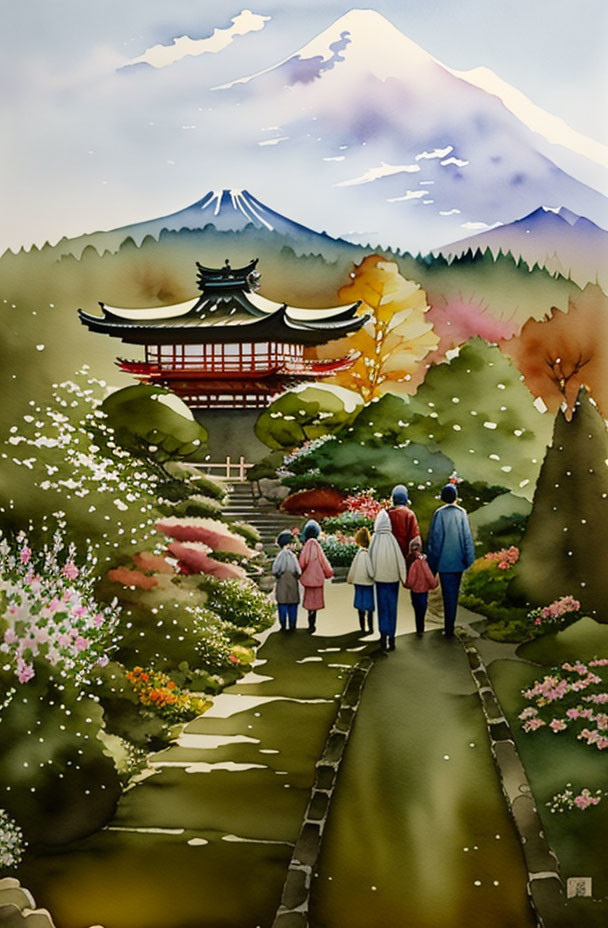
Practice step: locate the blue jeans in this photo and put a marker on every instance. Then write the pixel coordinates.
(288, 612)
(450, 585)
(419, 602)
(386, 598)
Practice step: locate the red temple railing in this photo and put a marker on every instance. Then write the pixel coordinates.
(204, 367)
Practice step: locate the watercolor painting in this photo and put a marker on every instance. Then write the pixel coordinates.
(304, 465)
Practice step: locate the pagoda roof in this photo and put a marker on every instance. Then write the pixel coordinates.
(227, 276)
(226, 315)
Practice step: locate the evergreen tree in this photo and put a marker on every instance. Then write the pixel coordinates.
(564, 548)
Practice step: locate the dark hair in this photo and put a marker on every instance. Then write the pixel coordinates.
(449, 493)
(312, 529)
(284, 538)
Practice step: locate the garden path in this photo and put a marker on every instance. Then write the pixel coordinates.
(205, 842)
(418, 833)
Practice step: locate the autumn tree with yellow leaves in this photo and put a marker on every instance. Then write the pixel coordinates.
(396, 338)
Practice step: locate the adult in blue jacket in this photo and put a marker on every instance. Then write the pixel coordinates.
(450, 551)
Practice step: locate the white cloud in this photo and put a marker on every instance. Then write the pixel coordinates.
(408, 195)
(283, 138)
(336, 158)
(160, 56)
(436, 153)
(477, 225)
(457, 161)
(448, 212)
(384, 170)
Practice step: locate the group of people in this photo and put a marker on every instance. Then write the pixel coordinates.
(388, 559)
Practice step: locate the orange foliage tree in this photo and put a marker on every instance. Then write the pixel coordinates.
(566, 350)
(397, 337)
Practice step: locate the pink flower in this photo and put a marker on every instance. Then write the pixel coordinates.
(557, 725)
(103, 661)
(64, 640)
(70, 570)
(533, 724)
(573, 713)
(24, 671)
(9, 636)
(81, 644)
(98, 619)
(25, 555)
(586, 799)
(54, 604)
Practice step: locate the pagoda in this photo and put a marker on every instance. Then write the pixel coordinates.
(229, 347)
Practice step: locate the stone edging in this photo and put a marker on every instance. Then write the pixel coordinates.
(545, 885)
(17, 907)
(293, 910)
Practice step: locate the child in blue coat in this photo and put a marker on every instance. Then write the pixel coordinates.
(359, 574)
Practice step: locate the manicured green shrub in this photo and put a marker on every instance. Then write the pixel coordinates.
(340, 549)
(239, 602)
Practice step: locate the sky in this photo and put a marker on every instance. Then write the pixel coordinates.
(98, 100)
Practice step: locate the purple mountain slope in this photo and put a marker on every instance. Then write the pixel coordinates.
(557, 239)
(390, 145)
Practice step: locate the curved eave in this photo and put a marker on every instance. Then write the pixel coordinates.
(278, 327)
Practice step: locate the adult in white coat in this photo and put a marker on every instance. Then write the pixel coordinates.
(387, 567)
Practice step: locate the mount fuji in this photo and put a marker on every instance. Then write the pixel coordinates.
(389, 146)
(219, 211)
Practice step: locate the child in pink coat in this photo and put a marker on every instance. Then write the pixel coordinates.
(315, 570)
(420, 579)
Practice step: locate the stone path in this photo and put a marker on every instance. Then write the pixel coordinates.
(419, 833)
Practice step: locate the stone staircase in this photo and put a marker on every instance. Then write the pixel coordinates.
(269, 521)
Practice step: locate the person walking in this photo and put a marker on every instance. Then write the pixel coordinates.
(286, 569)
(403, 520)
(315, 570)
(450, 551)
(420, 579)
(359, 574)
(387, 567)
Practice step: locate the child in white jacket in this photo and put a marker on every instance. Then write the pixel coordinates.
(359, 574)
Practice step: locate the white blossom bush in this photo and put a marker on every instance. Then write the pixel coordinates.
(12, 844)
(66, 460)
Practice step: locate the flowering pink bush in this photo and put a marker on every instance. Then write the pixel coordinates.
(365, 504)
(561, 612)
(505, 558)
(48, 611)
(566, 700)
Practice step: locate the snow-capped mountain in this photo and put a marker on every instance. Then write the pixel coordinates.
(555, 238)
(227, 210)
(218, 211)
(395, 147)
